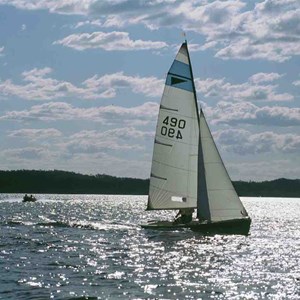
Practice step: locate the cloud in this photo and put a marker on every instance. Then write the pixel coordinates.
(54, 6)
(86, 151)
(264, 77)
(110, 114)
(123, 133)
(248, 113)
(252, 90)
(39, 86)
(111, 41)
(1, 51)
(35, 134)
(296, 83)
(96, 23)
(27, 153)
(118, 139)
(265, 170)
(150, 86)
(269, 30)
(243, 142)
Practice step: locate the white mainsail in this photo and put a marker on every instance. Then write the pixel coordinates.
(187, 170)
(173, 180)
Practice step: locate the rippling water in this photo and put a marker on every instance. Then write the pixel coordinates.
(92, 247)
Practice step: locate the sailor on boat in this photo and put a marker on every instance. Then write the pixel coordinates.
(184, 216)
(30, 198)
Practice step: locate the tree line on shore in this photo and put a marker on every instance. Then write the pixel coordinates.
(63, 182)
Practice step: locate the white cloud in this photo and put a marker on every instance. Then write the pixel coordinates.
(111, 114)
(264, 77)
(54, 6)
(267, 31)
(96, 23)
(1, 51)
(42, 87)
(123, 133)
(118, 139)
(265, 170)
(253, 90)
(243, 142)
(34, 134)
(248, 113)
(296, 83)
(27, 153)
(86, 151)
(108, 41)
(150, 86)
(39, 86)
(270, 31)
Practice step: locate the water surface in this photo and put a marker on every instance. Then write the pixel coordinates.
(92, 247)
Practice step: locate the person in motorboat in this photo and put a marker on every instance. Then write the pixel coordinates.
(30, 198)
(184, 216)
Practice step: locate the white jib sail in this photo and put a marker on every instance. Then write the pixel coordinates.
(173, 180)
(224, 203)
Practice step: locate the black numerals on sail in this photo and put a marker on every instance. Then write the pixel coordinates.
(172, 126)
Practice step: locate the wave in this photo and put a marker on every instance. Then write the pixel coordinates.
(71, 224)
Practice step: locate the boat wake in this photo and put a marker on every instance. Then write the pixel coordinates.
(71, 224)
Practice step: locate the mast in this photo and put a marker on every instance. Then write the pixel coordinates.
(203, 211)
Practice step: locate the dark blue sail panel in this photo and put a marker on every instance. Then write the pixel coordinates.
(180, 69)
(179, 82)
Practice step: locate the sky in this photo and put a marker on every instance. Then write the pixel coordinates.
(81, 82)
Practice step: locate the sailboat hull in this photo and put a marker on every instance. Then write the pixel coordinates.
(237, 226)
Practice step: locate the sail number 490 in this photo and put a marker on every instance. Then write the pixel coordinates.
(174, 129)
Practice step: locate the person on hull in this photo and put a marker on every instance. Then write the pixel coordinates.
(184, 216)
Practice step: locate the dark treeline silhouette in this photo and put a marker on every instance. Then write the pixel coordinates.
(281, 187)
(62, 182)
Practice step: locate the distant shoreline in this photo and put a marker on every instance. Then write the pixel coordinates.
(63, 182)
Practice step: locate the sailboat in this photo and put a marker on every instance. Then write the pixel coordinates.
(187, 169)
